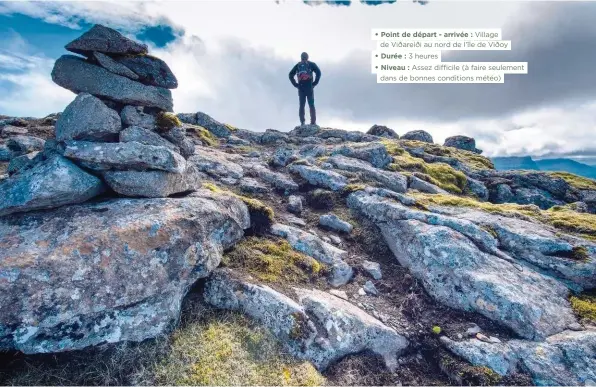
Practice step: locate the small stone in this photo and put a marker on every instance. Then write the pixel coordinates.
(111, 65)
(460, 336)
(473, 330)
(326, 239)
(295, 204)
(254, 154)
(335, 239)
(487, 339)
(333, 222)
(575, 326)
(339, 293)
(370, 288)
(253, 186)
(361, 292)
(373, 269)
(295, 220)
(10, 130)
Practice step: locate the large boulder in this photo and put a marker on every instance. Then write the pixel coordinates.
(418, 135)
(105, 156)
(52, 183)
(216, 164)
(382, 131)
(108, 272)
(153, 184)
(151, 70)
(111, 65)
(460, 264)
(79, 76)
(105, 40)
(462, 142)
(204, 120)
(87, 118)
(177, 136)
(318, 326)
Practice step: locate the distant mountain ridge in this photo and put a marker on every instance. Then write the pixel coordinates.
(560, 164)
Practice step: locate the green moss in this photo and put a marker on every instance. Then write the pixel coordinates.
(231, 352)
(261, 216)
(440, 174)
(464, 373)
(436, 330)
(580, 253)
(321, 199)
(166, 121)
(274, 261)
(584, 305)
(575, 181)
(206, 137)
(582, 224)
(471, 159)
(348, 189)
(232, 128)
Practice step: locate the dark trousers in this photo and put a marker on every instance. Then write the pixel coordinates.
(305, 94)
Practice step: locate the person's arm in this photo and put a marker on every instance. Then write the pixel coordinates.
(293, 74)
(317, 71)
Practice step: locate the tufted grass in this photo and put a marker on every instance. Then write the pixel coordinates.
(206, 137)
(575, 181)
(562, 218)
(274, 261)
(231, 352)
(584, 305)
(166, 121)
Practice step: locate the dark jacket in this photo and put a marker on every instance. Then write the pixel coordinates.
(306, 84)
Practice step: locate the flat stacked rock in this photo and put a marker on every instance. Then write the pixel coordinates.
(118, 132)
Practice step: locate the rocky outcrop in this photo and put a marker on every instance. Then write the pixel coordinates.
(63, 284)
(460, 265)
(391, 180)
(375, 153)
(318, 326)
(319, 177)
(216, 164)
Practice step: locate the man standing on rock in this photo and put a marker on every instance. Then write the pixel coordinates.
(303, 70)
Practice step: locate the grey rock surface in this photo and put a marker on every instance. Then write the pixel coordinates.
(108, 272)
(564, 359)
(150, 70)
(104, 156)
(177, 136)
(252, 186)
(382, 131)
(311, 245)
(373, 269)
(53, 183)
(146, 137)
(462, 142)
(333, 222)
(391, 180)
(216, 164)
(277, 180)
(424, 186)
(319, 177)
(319, 326)
(461, 266)
(135, 116)
(20, 162)
(111, 65)
(74, 74)
(295, 204)
(418, 135)
(374, 153)
(105, 40)
(153, 184)
(88, 118)
(20, 145)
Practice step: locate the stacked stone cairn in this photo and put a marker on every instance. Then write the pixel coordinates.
(118, 134)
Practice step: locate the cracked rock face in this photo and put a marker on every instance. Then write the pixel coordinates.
(88, 274)
(460, 265)
(318, 326)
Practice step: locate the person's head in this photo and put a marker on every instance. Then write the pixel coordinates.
(304, 56)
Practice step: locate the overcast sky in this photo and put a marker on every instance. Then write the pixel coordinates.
(232, 58)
